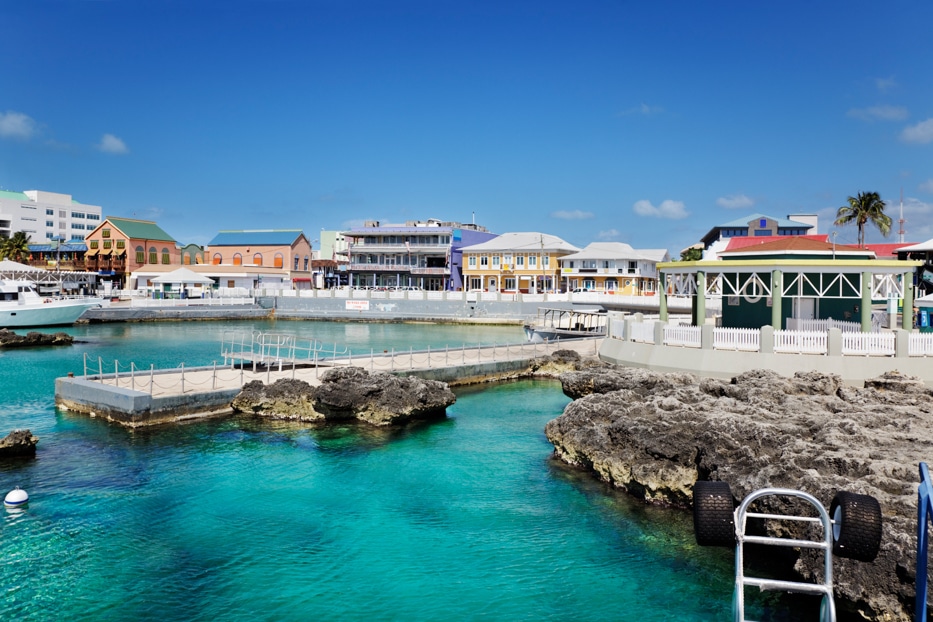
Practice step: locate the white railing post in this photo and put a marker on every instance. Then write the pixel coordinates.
(182, 378)
(151, 378)
(214, 377)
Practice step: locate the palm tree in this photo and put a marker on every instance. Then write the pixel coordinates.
(15, 248)
(867, 207)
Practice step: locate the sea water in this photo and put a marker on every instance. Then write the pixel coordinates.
(240, 518)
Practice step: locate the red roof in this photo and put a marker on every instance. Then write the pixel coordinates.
(792, 244)
(887, 251)
(740, 242)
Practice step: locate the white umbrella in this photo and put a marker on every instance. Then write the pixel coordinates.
(183, 276)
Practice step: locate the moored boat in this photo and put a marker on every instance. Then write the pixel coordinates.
(553, 324)
(22, 306)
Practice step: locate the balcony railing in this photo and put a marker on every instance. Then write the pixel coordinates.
(400, 268)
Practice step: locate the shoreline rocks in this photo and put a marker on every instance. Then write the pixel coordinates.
(654, 435)
(17, 444)
(9, 339)
(379, 398)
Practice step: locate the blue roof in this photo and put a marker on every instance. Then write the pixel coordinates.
(782, 222)
(257, 237)
(76, 247)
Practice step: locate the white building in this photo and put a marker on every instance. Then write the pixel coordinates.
(45, 216)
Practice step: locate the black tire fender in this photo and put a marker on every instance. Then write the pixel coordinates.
(713, 514)
(856, 526)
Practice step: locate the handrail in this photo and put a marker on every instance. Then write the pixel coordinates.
(924, 513)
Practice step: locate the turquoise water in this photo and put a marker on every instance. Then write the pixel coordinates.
(243, 519)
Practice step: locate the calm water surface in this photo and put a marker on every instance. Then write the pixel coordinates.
(242, 519)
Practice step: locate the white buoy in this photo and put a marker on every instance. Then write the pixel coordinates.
(16, 498)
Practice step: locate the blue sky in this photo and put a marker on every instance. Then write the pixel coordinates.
(646, 123)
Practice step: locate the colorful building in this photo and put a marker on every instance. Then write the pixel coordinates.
(516, 262)
(119, 246)
(46, 216)
(281, 256)
(425, 255)
(613, 267)
(757, 225)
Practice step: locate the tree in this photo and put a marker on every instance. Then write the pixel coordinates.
(15, 248)
(866, 208)
(693, 253)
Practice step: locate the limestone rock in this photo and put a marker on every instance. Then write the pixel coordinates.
(9, 339)
(18, 443)
(348, 393)
(655, 434)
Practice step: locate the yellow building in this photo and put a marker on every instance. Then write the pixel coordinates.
(516, 262)
(613, 267)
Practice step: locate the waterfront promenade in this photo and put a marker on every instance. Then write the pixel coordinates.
(137, 397)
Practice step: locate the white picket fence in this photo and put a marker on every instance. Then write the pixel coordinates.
(642, 332)
(800, 342)
(823, 325)
(744, 339)
(868, 344)
(920, 344)
(686, 336)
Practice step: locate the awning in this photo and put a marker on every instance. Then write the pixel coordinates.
(301, 279)
(91, 252)
(106, 251)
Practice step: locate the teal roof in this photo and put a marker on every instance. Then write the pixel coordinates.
(140, 229)
(16, 196)
(257, 237)
(782, 222)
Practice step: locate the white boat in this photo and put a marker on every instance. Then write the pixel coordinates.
(558, 324)
(21, 306)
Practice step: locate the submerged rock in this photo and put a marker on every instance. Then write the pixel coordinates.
(18, 443)
(9, 339)
(656, 434)
(348, 393)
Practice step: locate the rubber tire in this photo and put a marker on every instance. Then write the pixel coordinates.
(857, 526)
(713, 514)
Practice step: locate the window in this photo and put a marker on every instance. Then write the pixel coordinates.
(231, 284)
(547, 261)
(471, 261)
(237, 259)
(509, 283)
(140, 254)
(62, 213)
(257, 259)
(77, 214)
(532, 261)
(121, 244)
(495, 261)
(484, 261)
(165, 256)
(279, 261)
(217, 259)
(520, 261)
(632, 267)
(49, 212)
(476, 282)
(75, 225)
(93, 217)
(153, 255)
(108, 244)
(105, 233)
(296, 262)
(50, 223)
(94, 243)
(307, 262)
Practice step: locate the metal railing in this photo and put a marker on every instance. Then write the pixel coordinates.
(924, 513)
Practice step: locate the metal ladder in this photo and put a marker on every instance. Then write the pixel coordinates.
(825, 589)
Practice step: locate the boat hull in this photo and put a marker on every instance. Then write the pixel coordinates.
(53, 313)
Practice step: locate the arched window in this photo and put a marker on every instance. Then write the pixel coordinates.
(257, 259)
(140, 254)
(278, 261)
(217, 259)
(153, 255)
(237, 259)
(307, 262)
(187, 259)
(165, 256)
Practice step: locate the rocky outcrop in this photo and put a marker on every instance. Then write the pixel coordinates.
(563, 361)
(9, 339)
(348, 393)
(18, 443)
(655, 434)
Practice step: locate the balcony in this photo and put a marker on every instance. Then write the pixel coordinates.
(399, 268)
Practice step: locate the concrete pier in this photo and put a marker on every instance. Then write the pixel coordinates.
(152, 397)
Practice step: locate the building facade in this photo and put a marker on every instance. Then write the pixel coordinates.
(613, 267)
(516, 262)
(757, 225)
(426, 255)
(287, 252)
(46, 216)
(119, 246)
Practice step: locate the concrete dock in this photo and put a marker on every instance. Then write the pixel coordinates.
(150, 397)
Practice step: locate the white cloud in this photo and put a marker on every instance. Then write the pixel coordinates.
(643, 109)
(608, 234)
(927, 186)
(735, 201)
(111, 144)
(16, 125)
(673, 210)
(885, 84)
(920, 133)
(880, 113)
(571, 215)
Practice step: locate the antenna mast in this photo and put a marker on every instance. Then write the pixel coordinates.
(900, 231)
